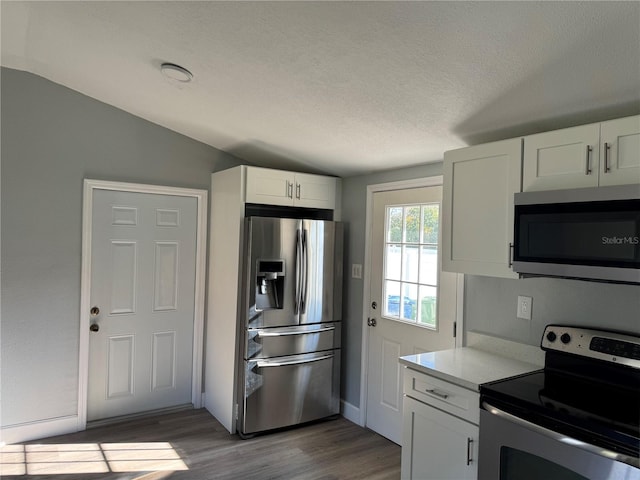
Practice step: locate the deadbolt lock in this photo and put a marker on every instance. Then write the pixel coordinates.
(95, 311)
(374, 305)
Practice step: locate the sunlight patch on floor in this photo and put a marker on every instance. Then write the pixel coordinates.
(76, 458)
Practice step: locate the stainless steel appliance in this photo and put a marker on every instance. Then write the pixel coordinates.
(587, 233)
(289, 370)
(578, 418)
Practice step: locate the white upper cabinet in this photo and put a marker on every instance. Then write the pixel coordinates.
(620, 146)
(477, 204)
(279, 187)
(586, 156)
(567, 158)
(269, 187)
(314, 191)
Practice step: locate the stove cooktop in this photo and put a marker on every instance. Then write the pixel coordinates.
(591, 396)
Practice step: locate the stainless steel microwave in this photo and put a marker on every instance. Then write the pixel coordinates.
(585, 233)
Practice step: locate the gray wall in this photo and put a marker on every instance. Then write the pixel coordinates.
(490, 306)
(354, 212)
(53, 138)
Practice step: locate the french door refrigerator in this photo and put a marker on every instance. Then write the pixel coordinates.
(289, 365)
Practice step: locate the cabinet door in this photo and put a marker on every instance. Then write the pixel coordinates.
(477, 205)
(436, 445)
(269, 187)
(567, 158)
(620, 140)
(315, 191)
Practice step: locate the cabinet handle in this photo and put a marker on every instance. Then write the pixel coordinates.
(289, 189)
(588, 168)
(607, 147)
(433, 391)
(469, 450)
(298, 191)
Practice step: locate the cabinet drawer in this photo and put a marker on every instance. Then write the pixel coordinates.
(446, 396)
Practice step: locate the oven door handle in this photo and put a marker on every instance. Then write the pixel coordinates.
(603, 452)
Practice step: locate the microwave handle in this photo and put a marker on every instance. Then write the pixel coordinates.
(511, 247)
(560, 437)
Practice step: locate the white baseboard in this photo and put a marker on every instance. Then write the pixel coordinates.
(35, 430)
(350, 412)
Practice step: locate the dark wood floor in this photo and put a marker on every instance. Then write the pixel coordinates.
(193, 445)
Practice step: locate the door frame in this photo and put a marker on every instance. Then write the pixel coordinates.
(85, 283)
(436, 180)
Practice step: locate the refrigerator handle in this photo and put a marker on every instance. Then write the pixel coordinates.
(305, 276)
(280, 363)
(298, 270)
(263, 333)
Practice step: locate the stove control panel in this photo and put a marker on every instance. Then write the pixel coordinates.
(614, 347)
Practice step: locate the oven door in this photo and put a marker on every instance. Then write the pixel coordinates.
(514, 449)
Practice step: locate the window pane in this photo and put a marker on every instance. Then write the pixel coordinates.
(409, 302)
(412, 224)
(410, 263)
(430, 215)
(393, 262)
(429, 265)
(392, 299)
(394, 226)
(428, 305)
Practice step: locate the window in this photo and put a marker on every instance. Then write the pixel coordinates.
(410, 286)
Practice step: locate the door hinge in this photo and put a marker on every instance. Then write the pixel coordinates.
(455, 329)
(236, 411)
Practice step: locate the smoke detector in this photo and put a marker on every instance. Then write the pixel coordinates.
(176, 72)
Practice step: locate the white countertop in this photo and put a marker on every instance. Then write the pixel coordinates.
(467, 367)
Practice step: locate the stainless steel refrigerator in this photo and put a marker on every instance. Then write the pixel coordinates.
(289, 365)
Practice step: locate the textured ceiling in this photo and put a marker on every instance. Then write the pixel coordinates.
(339, 87)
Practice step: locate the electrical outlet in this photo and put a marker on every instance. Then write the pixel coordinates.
(356, 270)
(525, 305)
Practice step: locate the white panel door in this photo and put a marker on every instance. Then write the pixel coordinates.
(415, 302)
(142, 296)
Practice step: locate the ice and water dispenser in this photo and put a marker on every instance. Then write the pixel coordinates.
(269, 284)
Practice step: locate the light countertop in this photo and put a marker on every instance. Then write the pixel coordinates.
(467, 367)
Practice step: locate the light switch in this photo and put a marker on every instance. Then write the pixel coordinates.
(356, 270)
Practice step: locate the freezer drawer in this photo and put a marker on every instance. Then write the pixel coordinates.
(280, 341)
(289, 390)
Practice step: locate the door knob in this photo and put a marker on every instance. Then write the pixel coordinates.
(94, 327)
(371, 322)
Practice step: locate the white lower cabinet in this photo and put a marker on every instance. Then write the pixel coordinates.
(437, 445)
